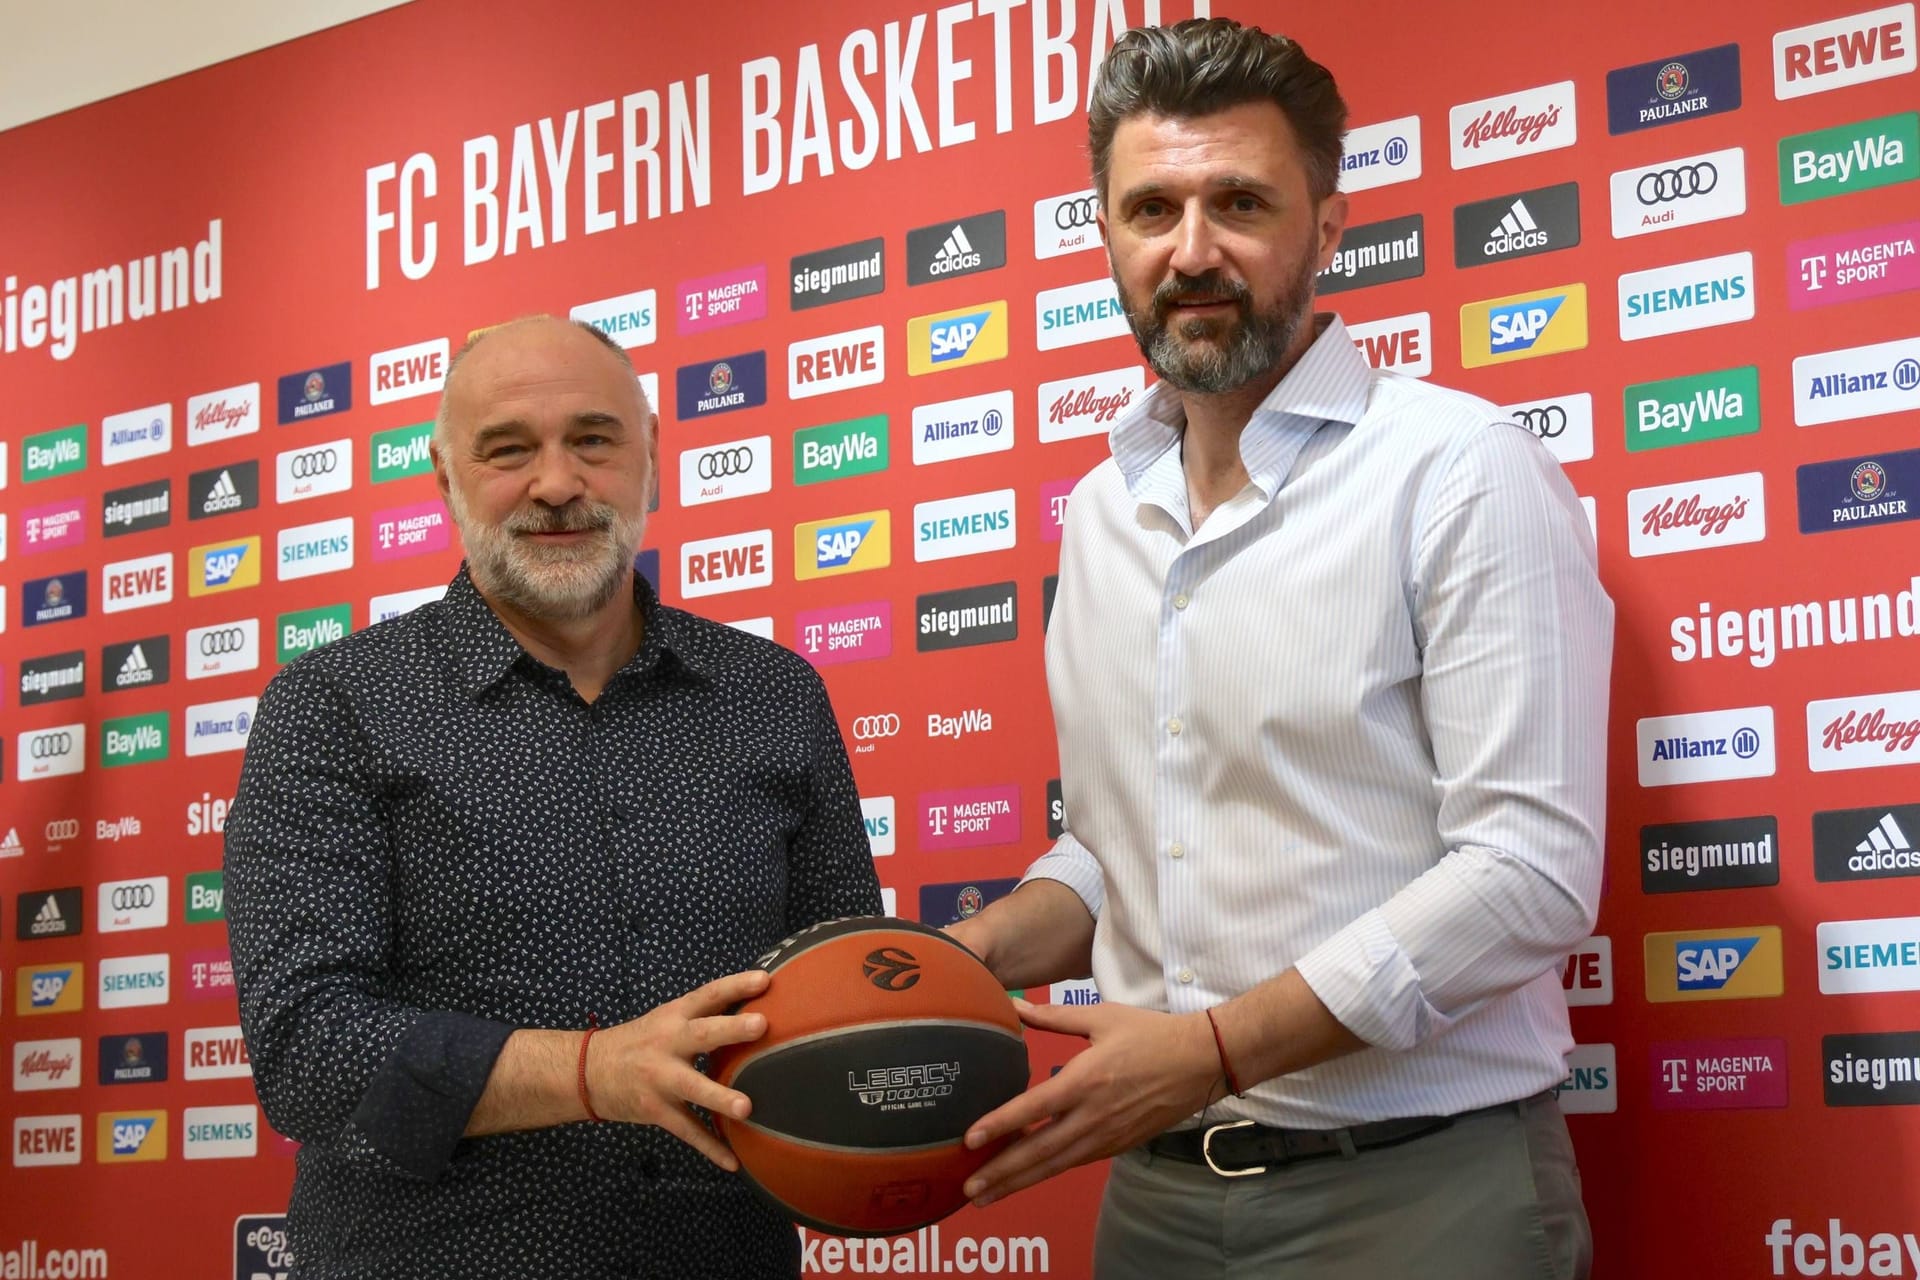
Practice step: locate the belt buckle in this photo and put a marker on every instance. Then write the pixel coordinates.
(1206, 1150)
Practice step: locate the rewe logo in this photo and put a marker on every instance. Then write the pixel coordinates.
(137, 584)
(734, 562)
(1514, 124)
(1850, 157)
(405, 372)
(1845, 51)
(1587, 975)
(972, 720)
(1400, 344)
(217, 1053)
(1870, 732)
(1718, 512)
(39, 1141)
(1088, 405)
(223, 415)
(1705, 746)
(836, 362)
(1685, 296)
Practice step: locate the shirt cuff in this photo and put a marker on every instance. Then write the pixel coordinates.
(1071, 864)
(417, 1107)
(1368, 982)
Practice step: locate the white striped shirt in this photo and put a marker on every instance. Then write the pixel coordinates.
(1355, 725)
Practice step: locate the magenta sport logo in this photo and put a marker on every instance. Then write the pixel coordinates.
(1714, 1075)
(209, 974)
(848, 633)
(54, 526)
(1053, 508)
(1853, 264)
(409, 531)
(968, 817)
(714, 302)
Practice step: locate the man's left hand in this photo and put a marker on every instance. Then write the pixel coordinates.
(1140, 1073)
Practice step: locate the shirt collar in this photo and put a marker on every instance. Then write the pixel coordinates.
(1330, 383)
(484, 650)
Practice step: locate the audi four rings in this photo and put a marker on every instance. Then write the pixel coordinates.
(63, 829)
(1676, 184)
(885, 726)
(716, 463)
(46, 746)
(131, 897)
(1069, 214)
(316, 462)
(1545, 420)
(222, 640)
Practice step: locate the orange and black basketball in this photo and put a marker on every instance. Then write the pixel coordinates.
(885, 1040)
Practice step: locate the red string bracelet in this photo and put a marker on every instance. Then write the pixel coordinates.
(586, 1102)
(1226, 1068)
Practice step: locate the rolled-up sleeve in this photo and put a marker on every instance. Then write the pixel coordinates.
(1517, 641)
(1072, 864)
(335, 1057)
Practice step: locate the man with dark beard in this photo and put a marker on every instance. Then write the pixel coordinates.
(497, 869)
(1329, 663)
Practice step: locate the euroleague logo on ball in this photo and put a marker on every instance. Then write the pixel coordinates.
(891, 969)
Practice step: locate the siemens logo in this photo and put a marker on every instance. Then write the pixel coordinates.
(630, 319)
(1869, 955)
(1078, 313)
(311, 549)
(968, 525)
(1686, 296)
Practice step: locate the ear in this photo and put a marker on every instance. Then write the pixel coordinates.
(440, 478)
(1331, 216)
(653, 459)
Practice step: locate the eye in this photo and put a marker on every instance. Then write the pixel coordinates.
(505, 452)
(1152, 209)
(1244, 203)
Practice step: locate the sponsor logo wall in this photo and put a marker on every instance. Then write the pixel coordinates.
(883, 347)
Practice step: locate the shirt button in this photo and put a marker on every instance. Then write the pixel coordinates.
(1173, 726)
(1186, 975)
(1180, 601)
(1178, 850)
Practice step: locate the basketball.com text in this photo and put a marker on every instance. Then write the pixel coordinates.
(29, 1262)
(923, 1253)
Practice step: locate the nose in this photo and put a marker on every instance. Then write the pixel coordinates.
(1196, 249)
(557, 478)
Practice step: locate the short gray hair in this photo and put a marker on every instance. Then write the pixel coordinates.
(466, 349)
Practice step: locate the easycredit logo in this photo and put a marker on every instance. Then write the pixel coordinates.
(1856, 382)
(1686, 296)
(958, 338)
(1869, 955)
(217, 1053)
(1705, 746)
(1721, 511)
(1398, 344)
(1870, 732)
(50, 988)
(1714, 964)
(733, 562)
(1845, 51)
(223, 566)
(137, 584)
(836, 362)
(1078, 313)
(968, 525)
(1523, 325)
(842, 544)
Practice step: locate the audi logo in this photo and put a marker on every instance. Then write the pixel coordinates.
(49, 745)
(865, 727)
(1677, 184)
(131, 897)
(1545, 420)
(319, 462)
(1069, 214)
(63, 829)
(725, 462)
(223, 640)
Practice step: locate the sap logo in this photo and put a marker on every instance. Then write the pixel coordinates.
(1706, 966)
(972, 720)
(223, 563)
(836, 545)
(207, 816)
(1517, 327)
(951, 339)
(48, 986)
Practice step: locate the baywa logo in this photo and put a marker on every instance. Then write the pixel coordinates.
(970, 616)
(1855, 493)
(1714, 964)
(1725, 853)
(1686, 86)
(834, 275)
(221, 490)
(843, 544)
(960, 247)
(1523, 325)
(1377, 253)
(53, 453)
(1850, 157)
(1866, 844)
(400, 453)
(133, 740)
(1517, 226)
(1874, 1069)
(1690, 409)
(305, 630)
(838, 450)
(53, 678)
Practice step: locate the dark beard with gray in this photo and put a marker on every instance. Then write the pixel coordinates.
(1210, 356)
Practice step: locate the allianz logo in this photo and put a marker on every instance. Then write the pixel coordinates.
(972, 720)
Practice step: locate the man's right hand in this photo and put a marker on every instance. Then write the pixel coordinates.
(642, 1071)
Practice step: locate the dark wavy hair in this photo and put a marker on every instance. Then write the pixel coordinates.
(1204, 65)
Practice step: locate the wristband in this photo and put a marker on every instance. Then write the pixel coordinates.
(586, 1101)
(1220, 1045)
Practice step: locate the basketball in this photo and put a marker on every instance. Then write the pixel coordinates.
(885, 1040)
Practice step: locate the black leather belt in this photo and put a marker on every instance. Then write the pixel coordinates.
(1241, 1148)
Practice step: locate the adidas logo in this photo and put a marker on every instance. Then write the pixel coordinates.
(1517, 231)
(956, 254)
(135, 669)
(11, 846)
(224, 496)
(1886, 837)
(49, 920)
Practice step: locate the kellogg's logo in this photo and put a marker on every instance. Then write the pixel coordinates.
(1089, 404)
(1722, 511)
(1864, 733)
(1493, 129)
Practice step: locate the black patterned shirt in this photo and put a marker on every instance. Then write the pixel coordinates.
(436, 841)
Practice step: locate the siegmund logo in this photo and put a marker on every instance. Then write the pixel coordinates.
(136, 508)
(50, 679)
(219, 490)
(967, 617)
(1377, 253)
(834, 275)
(959, 247)
(1517, 226)
(1730, 853)
(1873, 1069)
(136, 664)
(1866, 844)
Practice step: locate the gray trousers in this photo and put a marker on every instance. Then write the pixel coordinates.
(1494, 1197)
